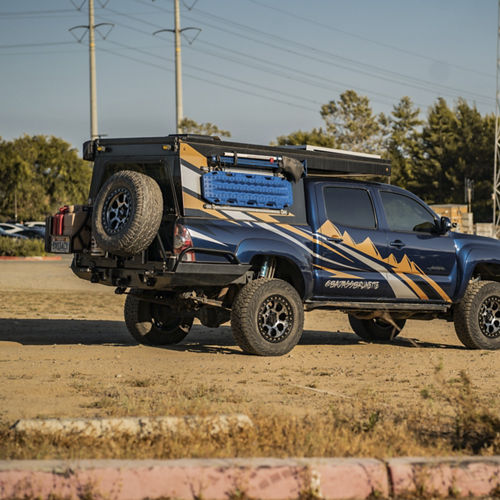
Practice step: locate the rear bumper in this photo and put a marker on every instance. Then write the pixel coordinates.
(186, 275)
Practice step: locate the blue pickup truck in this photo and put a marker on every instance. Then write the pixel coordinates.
(195, 227)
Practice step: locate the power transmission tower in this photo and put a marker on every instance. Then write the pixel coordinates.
(496, 168)
(177, 31)
(92, 69)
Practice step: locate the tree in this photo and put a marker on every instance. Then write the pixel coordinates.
(403, 143)
(316, 137)
(189, 126)
(456, 144)
(431, 157)
(349, 124)
(475, 140)
(435, 180)
(42, 173)
(351, 121)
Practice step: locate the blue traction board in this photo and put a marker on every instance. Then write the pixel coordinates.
(246, 190)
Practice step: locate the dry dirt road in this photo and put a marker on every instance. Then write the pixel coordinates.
(65, 352)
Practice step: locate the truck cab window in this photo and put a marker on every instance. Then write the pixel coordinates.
(406, 214)
(349, 207)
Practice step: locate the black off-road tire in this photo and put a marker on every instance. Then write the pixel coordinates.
(477, 316)
(267, 317)
(154, 324)
(127, 213)
(375, 330)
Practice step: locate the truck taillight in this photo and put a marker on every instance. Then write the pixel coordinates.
(182, 241)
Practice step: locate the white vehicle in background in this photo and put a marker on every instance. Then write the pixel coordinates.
(11, 228)
(35, 224)
(28, 230)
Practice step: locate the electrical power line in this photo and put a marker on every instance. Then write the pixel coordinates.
(372, 71)
(226, 77)
(425, 87)
(39, 44)
(244, 82)
(366, 39)
(428, 86)
(326, 83)
(309, 79)
(218, 84)
(35, 12)
(41, 53)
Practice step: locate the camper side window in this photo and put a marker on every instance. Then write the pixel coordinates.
(350, 207)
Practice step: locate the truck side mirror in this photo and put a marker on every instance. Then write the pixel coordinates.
(445, 225)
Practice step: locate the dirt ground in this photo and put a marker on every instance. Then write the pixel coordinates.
(65, 352)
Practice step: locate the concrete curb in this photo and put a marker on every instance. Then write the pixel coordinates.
(449, 477)
(32, 259)
(132, 426)
(262, 478)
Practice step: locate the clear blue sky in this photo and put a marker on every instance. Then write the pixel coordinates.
(259, 68)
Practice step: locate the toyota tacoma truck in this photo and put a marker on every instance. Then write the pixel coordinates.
(194, 227)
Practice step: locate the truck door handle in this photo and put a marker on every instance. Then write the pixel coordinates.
(335, 240)
(397, 244)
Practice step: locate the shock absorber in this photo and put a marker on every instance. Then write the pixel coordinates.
(268, 267)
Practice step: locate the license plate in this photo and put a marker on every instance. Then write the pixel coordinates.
(59, 244)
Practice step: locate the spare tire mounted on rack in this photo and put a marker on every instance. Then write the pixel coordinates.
(127, 213)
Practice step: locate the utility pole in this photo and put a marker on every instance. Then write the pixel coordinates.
(496, 167)
(178, 69)
(91, 28)
(93, 92)
(177, 31)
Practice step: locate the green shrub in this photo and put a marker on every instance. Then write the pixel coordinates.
(12, 247)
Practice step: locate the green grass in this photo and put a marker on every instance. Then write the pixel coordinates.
(12, 247)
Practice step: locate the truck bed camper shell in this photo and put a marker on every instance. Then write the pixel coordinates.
(316, 160)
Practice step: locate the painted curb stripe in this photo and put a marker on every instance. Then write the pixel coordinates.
(33, 259)
(263, 478)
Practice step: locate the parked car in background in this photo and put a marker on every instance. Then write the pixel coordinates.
(35, 224)
(30, 230)
(31, 233)
(10, 227)
(16, 235)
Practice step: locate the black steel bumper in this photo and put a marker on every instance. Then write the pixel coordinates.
(186, 275)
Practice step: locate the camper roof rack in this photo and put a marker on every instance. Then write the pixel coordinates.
(309, 147)
(317, 160)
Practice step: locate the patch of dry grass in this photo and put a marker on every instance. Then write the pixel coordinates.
(449, 422)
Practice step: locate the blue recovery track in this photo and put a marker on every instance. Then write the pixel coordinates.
(247, 190)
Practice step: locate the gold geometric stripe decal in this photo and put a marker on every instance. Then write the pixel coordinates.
(314, 240)
(196, 204)
(413, 286)
(436, 287)
(338, 274)
(264, 217)
(192, 156)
